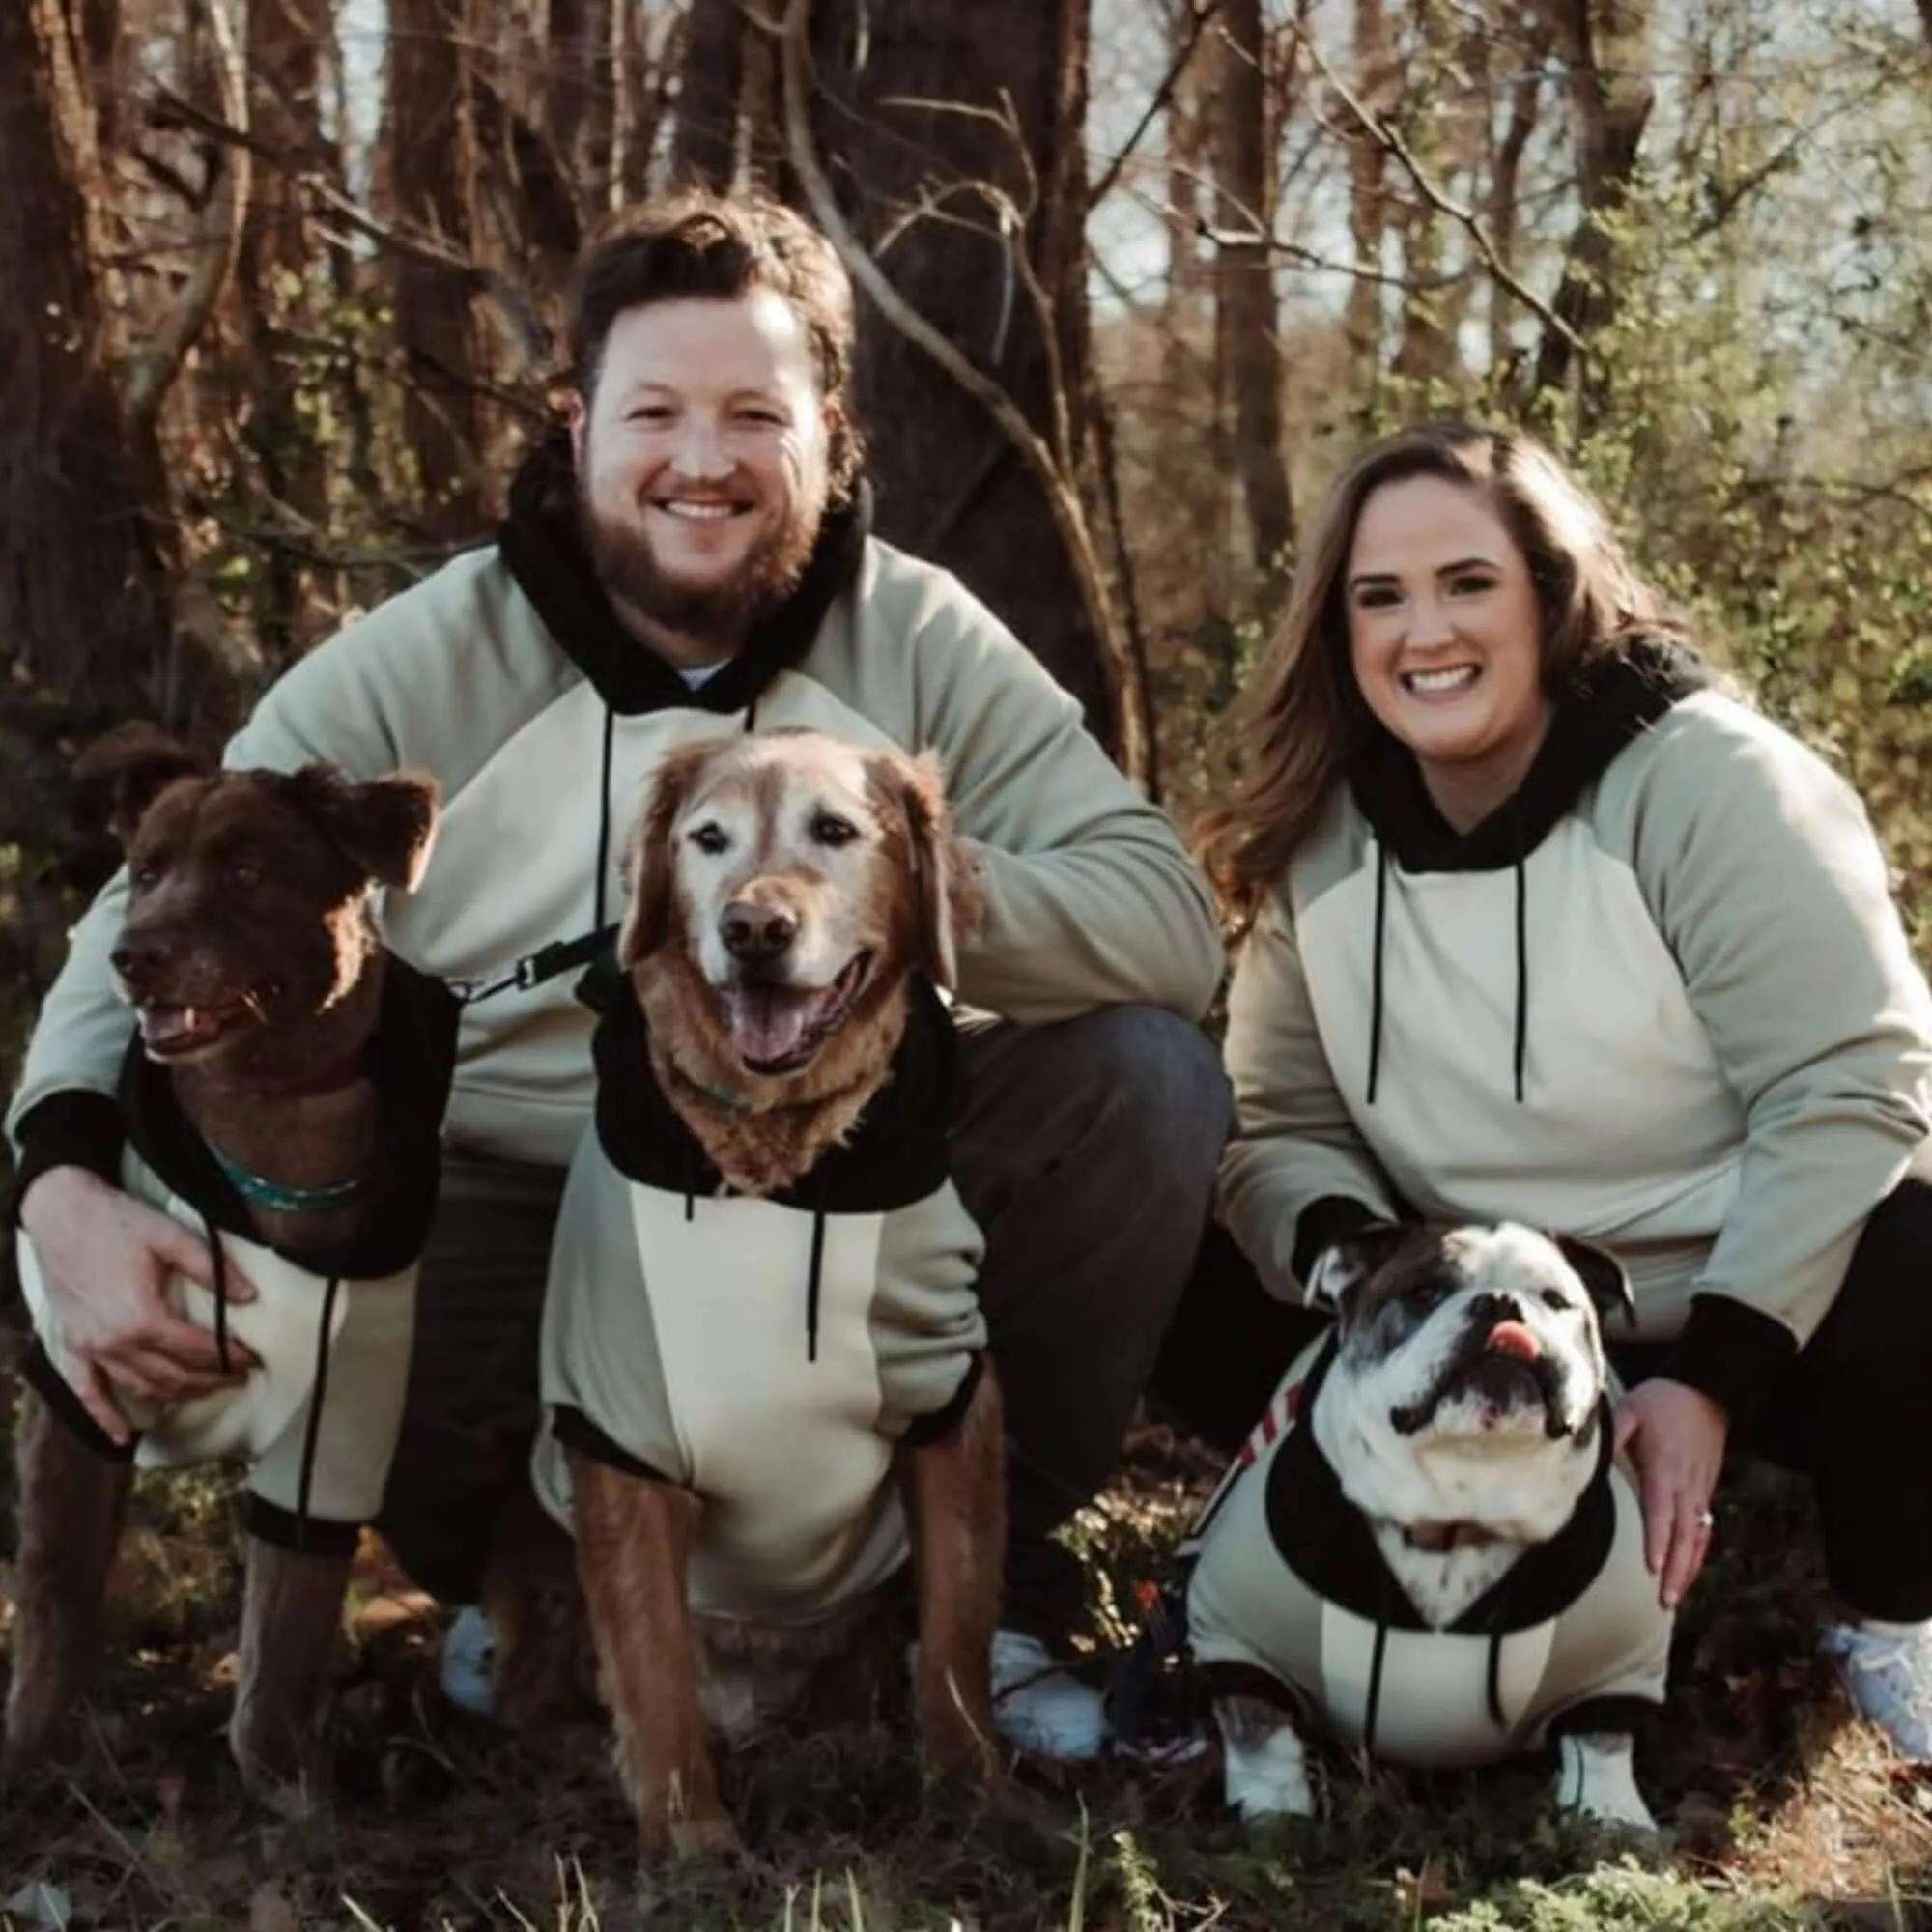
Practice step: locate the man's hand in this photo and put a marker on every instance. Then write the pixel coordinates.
(1675, 1435)
(106, 1260)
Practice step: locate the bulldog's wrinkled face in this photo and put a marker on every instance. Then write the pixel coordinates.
(1469, 1374)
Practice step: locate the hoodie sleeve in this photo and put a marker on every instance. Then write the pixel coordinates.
(1090, 898)
(1766, 881)
(1296, 1175)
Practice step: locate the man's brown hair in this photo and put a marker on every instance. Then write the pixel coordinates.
(695, 245)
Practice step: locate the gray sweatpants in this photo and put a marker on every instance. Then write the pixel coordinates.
(1086, 1151)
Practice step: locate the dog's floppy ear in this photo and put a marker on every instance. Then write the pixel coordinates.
(1602, 1274)
(950, 899)
(652, 867)
(129, 768)
(1344, 1266)
(384, 827)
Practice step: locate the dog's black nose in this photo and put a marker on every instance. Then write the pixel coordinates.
(1490, 1306)
(756, 933)
(139, 955)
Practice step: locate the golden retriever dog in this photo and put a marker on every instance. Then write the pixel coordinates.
(764, 1363)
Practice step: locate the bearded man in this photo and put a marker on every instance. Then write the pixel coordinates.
(690, 555)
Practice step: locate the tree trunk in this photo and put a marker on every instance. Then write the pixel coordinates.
(580, 96)
(951, 485)
(1247, 314)
(1186, 139)
(1368, 200)
(431, 137)
(1425, 354)
(1526, 91)
(1606, 46)
(84, 542)
(705, 145)
(278, 293)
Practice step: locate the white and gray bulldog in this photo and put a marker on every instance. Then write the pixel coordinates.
(1429, 1543)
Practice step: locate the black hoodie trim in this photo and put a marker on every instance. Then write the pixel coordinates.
(576, 1430)
(1613, 702)
(1326, 1541)
(412, 1061)
(1324, 1222)
(939, 1423)
(543, 548)
(74, 1127)
(1733, 1353)
(304, 1535)
(895, 1155)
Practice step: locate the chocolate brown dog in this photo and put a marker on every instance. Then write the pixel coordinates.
(282, 1093)
(763, 1356)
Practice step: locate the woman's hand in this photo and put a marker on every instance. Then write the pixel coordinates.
(105, 1261)
(1675, 1435)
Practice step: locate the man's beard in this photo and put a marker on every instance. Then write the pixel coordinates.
(717, 613)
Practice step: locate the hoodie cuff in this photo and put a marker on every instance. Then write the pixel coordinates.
(1732, 1353)
(1333, 1219)
(76, 1128)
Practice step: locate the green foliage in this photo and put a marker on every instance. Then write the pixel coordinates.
(1622, 1898)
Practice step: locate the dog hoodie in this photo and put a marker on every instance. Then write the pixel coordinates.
(318, 1420)
(1290, 1601)
(767, 1353)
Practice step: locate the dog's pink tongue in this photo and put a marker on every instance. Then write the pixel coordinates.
(768, 1023)
(1512, 1338)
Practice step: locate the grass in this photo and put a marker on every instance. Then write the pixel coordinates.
(1781, 1813)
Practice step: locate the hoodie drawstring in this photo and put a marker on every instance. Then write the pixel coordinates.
(603, 820)
(1376, 970)
(812, 1285)
(1520, 1060)
(312, 1433)
(1521, 972)
(1492, 1683)
(218, 1264)
(1374, 1709)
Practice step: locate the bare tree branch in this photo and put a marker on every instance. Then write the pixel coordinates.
(1380, 130)
(1203, 12)
(516, 311)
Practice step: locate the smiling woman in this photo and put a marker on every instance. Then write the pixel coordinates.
(1542, 926)
(1445, 641)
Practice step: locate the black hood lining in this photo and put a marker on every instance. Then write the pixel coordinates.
(1614, 701)
(543, 546)
(1326, 1541)
(896, 1154)
(412, 1059)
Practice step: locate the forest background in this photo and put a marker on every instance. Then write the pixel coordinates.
(279, 287)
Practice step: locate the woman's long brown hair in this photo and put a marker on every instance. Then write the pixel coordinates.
(1305, 715)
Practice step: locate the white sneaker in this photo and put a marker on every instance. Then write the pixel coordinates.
(1888, 1676)
(469, 1661)
(1039, 1707)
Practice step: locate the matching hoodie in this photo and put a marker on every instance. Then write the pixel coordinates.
(318, 1421)
(846, 1307)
